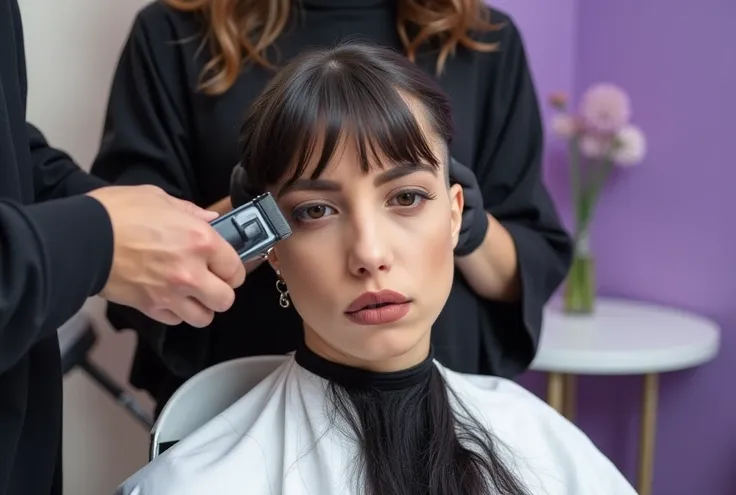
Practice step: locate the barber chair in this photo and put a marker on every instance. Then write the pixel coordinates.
(207, 394)
(77, 337)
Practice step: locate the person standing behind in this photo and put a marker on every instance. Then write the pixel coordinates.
(188, 69)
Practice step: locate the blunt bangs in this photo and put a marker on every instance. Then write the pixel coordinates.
(325, 97)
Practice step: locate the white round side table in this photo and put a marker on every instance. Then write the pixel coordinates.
(622, 337)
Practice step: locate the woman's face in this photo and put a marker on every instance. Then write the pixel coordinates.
(359, 240)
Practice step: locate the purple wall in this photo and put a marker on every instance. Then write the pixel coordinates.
(666, 231)
(550, 36)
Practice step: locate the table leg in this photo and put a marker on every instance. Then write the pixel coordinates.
(556, 391)
(570, 392)
(648, 433)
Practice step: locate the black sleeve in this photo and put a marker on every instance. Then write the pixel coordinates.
(53, 256)
(509, 174)
(146, 140)
(146, 130)
(55, 175)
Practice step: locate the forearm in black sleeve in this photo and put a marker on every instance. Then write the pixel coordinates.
(53, 256)
(55, 175)
(510, 176)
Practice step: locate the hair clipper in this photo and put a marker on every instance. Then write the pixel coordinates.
(253, 228)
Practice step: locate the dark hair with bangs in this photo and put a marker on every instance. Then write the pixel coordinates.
(412, 441)
(359, 91)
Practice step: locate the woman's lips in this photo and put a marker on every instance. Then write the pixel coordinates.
(378, 308)
(381, 315)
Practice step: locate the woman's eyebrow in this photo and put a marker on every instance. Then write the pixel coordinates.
(402, 170)
(309, 185)
(324, 185)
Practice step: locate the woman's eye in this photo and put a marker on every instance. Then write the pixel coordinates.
(312, 212)
(408, 199)
(316, 211)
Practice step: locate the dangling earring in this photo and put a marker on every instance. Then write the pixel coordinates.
(283, 291)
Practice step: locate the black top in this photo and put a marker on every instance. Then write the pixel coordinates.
(52, 257)
(349, 377)
(160, 129)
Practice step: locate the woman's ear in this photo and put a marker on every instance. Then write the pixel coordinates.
(273, 260)
(457, 203)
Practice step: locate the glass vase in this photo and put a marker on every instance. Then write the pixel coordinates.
(580, 286)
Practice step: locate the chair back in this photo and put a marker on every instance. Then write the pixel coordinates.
(207, 394)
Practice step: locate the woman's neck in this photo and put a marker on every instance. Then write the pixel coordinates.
(376, 357)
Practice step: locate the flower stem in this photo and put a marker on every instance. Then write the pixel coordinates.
(593, 191)
(575, 189)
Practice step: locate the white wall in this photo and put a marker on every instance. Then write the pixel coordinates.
(72, 47)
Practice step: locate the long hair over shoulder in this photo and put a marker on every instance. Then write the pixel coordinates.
(412, 442)
(415, 442)
(241, 31)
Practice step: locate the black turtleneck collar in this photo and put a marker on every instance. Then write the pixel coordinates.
(355, 378)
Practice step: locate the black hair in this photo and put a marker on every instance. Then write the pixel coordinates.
(413, 441)
(355, 90)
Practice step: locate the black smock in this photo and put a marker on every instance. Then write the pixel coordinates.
(160, 129)
(53, 255)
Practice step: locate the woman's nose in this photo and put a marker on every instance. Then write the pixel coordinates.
(369, 252)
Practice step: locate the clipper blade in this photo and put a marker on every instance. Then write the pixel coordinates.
(274, 216)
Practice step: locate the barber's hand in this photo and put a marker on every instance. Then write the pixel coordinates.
(475, 220)
(168, 263)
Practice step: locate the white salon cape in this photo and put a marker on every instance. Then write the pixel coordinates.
(277, 439)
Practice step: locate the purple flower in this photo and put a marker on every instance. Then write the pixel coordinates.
(594, 146)
(558, 100)
(605, 108)
(630, 146)
(564, 125)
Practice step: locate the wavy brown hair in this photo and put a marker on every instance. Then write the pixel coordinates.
(240, 31)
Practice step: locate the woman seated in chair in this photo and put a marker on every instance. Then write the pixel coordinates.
(354, 144)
